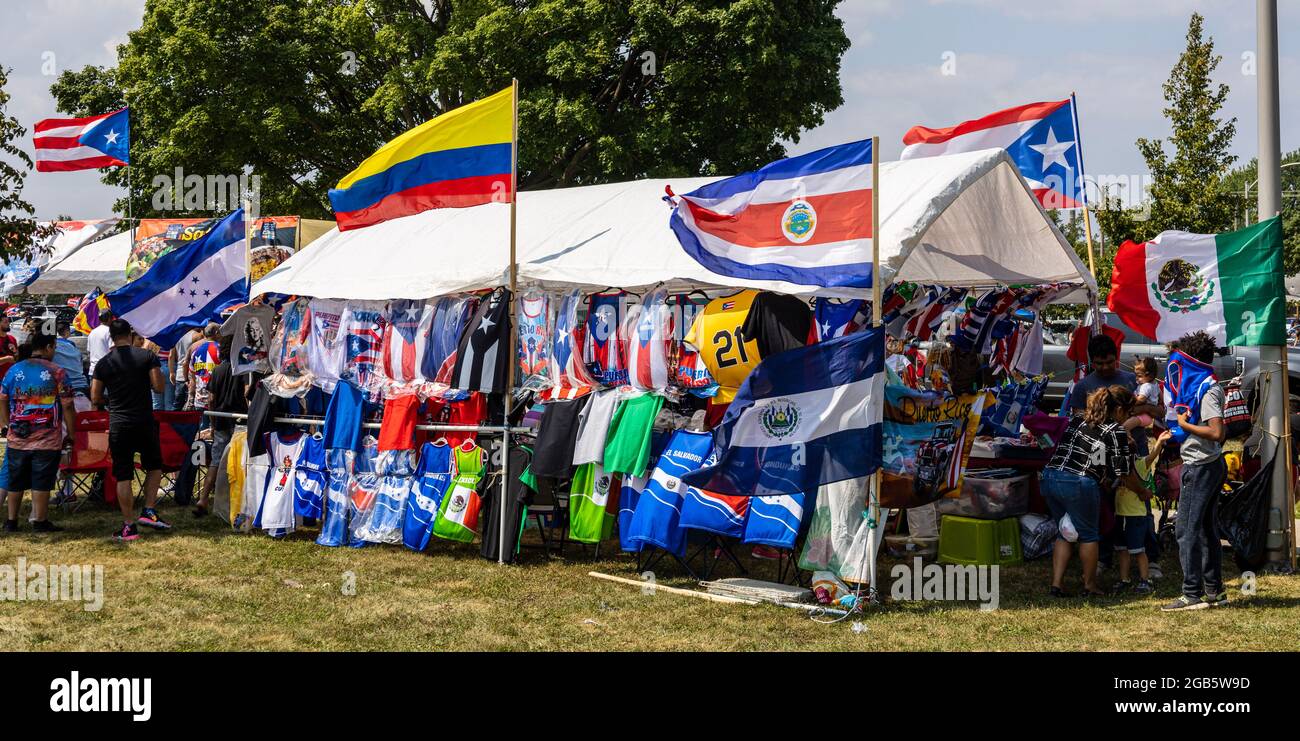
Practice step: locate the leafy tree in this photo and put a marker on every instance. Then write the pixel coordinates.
(1185, 191)
(302, 91)
(18, 230)
(1234, 187)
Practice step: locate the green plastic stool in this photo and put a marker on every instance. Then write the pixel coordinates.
(968, 541)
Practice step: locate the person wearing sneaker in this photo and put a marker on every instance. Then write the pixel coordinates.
(36, 406)
(131, 375)
(1133, 521)
(1199, 549)
(1093, 453)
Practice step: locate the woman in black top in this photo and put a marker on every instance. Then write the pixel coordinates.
(1093, 455)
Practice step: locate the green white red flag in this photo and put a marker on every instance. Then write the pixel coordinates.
(1230, 285)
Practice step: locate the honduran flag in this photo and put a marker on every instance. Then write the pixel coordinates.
(459, 159)
(65, 144)
(406, 339)
(804, 220)
(1230, 285)
(1042, 139)
(803, 418)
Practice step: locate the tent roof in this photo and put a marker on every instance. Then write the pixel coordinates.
(965, 219)
(101, 264)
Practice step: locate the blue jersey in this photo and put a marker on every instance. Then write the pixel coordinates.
(432, 478)
(720, 514)
(334, 526)
(395, 470)
(343, 418)
(449, 317)
(833, 319)
(657, 520)
(774, 520)
(311, 475)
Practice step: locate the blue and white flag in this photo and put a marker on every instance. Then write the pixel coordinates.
(803, 418)
(189, 287)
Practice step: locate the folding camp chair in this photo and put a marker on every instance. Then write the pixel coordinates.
(714, 549)
(176, 433)
(87, 472)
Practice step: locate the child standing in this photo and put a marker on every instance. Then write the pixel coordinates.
(1133, 522)
(1148, 388)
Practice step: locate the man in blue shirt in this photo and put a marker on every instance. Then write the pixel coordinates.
(68, 357)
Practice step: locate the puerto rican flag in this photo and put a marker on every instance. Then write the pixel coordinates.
(804, 220)
(1042, 139)
(406, 339)
(65, 144)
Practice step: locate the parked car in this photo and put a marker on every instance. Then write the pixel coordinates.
(1231, 363)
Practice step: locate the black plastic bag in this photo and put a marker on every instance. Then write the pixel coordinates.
(1242, 518)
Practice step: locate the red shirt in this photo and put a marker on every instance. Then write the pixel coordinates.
(8, 346)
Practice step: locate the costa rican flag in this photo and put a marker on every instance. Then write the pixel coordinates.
(65, 144)
(805, 220)
(406, 339)
(803, 418)
(1042, 138)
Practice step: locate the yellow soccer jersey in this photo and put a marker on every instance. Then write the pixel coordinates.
(716, 335)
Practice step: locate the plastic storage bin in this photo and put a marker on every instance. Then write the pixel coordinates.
(992, 494)
(971, 541)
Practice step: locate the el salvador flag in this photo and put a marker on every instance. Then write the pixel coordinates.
(189, 287)
(803, 418)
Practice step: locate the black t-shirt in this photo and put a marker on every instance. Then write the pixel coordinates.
(227, 395)
(124, 371)
(777, 323)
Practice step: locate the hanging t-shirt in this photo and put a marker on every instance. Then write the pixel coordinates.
(777, 322)
(774, 520)
(289, 346)
(483, 355)
(593, 425)
(650, 343)
(406, 339)
(556, 438)
(364, 329)
(833, 318)
(276, 510)
(628, 495)
(657, 520)
(343, 418)
(685, 307)
(383, 520)
(204, 357)
(458, 513)
(257, 469)
(432, 478)
(311, 473)
(627, 446)
(605, 350)
(334, 524)
(326, 342)
(516, 514)
(534, 313)
(569, 375)
(250, 331)
(723, 348)
(397, 432)
(236, 458)
(363, 487)
(593, 504)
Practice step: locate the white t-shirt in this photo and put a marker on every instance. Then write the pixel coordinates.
(1149, 392)
(277, 501)
(593, 427)
(326, 342)
(98, 343)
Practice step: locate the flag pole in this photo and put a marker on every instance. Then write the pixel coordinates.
(1087, 215)
(510, 346)
(877, 315)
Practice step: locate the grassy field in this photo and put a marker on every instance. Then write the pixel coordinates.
(203, 587)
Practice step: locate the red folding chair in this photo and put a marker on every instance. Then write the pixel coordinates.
(89, 463)
(176, 433)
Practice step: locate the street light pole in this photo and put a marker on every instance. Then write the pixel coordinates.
(1272, 358)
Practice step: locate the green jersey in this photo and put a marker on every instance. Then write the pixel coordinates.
(627, 447)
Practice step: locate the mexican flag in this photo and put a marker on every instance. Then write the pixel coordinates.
(1229, 285)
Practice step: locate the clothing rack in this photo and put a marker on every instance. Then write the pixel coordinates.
(317, 422)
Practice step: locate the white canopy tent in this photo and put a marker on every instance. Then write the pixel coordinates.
(99, 264)
(70, 237)
(963, 220)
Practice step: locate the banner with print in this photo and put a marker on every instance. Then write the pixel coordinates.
(927, 443)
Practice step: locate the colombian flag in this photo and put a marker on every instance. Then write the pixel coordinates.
(459, 159)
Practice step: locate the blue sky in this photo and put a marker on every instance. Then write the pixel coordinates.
(1114, 54)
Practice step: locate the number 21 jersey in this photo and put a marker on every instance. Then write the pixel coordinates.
(716, 335)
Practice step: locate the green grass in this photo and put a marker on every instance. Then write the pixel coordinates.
(203, 587)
